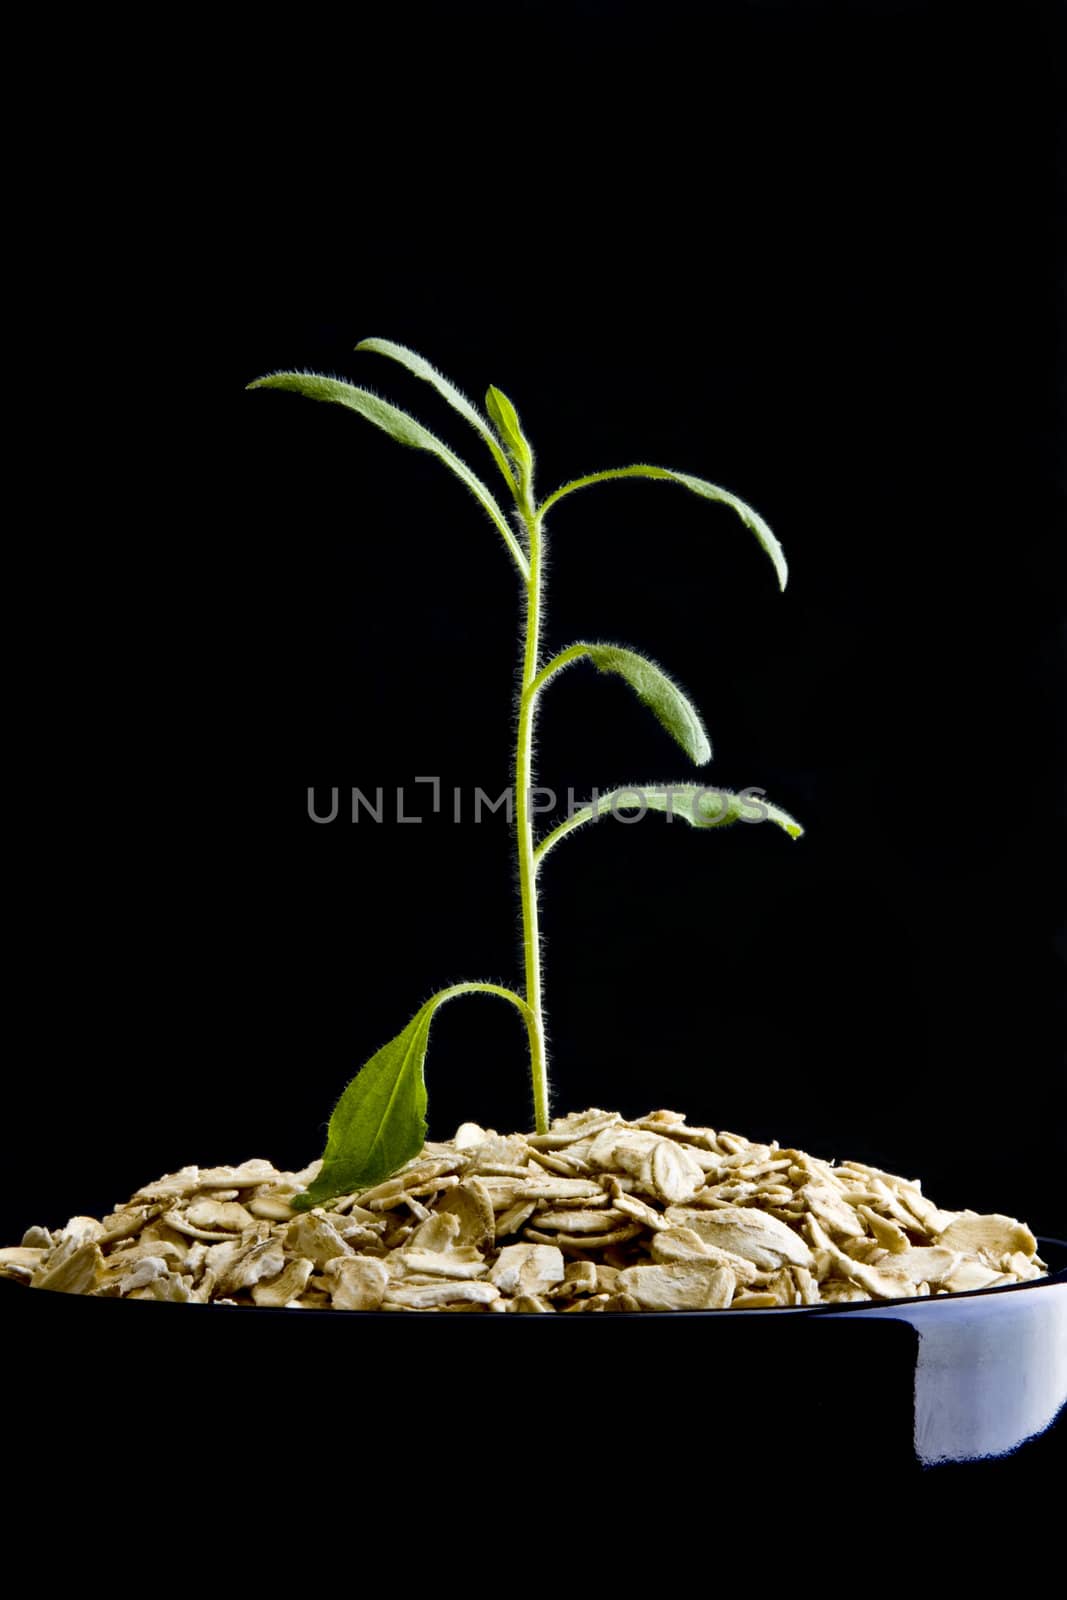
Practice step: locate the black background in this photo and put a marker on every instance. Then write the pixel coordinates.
(809, 251)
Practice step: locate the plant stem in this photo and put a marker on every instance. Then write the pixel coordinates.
(490, 988)
(524, 777)
(550, 668)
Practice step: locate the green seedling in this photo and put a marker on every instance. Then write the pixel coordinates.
(380, 1120)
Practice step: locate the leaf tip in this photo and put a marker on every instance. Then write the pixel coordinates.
(301, 1202)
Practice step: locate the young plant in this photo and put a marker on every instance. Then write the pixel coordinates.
(380, 1120)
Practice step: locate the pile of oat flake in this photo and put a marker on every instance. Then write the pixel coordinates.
(598, 1214)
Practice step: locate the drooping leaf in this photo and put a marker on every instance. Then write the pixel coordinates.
(455, 397)
(380, 1120)
(699, 806)
(673, 709)
(506, 420)
(400, 426)
(700, 486)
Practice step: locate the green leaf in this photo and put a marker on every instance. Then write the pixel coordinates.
(455, 397)
(400, 426)
(700, 807)
(674, 710)
(506, 421)
(700, 486)
(380, 1120)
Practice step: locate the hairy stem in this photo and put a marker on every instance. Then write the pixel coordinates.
(477, 987)
(550, 668)
(524, 777)
(585, 814)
